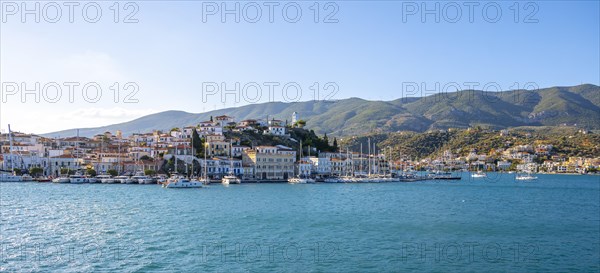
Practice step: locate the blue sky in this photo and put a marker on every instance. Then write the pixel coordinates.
(369, 53)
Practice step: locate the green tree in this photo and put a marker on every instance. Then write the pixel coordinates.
(335, 144)
(66, 171)
(149, 172)
(36, 171)
(91, 172)
(145, 157)
(112, 172)
(198, 143)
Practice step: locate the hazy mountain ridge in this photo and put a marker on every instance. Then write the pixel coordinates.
(544, 107)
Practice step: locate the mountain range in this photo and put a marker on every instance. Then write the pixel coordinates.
(554, 106)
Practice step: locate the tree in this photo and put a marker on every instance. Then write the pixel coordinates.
(335, 144)
(198, 143)
(36, 171)
(149, 172)
(66, 171)
(211, 118)
(301, 123)
(145, 157)
(175, 129)
(91, 172)
(112, 172)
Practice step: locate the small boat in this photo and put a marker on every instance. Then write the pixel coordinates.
(43, 179)
(527, 176)
(440, 175)
(61, 179)
(105, 179)
(26, 178)
(231, 179)
(479, 174)
(181, 182)
(300, 180)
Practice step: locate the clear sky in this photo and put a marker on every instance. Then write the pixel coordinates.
(175, 52)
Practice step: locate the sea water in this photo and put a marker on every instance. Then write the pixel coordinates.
(495, 224)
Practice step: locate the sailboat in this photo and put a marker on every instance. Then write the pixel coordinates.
(300, 179)
(479, 174)
(230, 178)
(10, 177)
(180, 181)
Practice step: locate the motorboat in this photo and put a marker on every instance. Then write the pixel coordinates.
(123, 179)
(78, 178)
(526, 176)
(61, 179)
(479, 174)
(300, 180)
(105, 179)
(231, 179)
(141, 178)
(179, 181)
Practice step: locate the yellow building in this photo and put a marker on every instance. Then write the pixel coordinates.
(270, 162)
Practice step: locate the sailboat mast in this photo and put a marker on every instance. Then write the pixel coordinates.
(361, 159)
(10, 141)
(369, 156)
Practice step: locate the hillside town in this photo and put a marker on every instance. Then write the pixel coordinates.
(214, 155)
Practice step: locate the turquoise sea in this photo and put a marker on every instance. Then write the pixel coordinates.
(471, 225)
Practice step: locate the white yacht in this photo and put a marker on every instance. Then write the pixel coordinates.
(10, 178)
(105, 179)
(61, 179)
(93, 180)
(479, 174)
(26, 178)
(141, 178)
(77, 178)
(123, 179)
(231, 179)
(178, 181)
(300, 180)
(526, 176)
